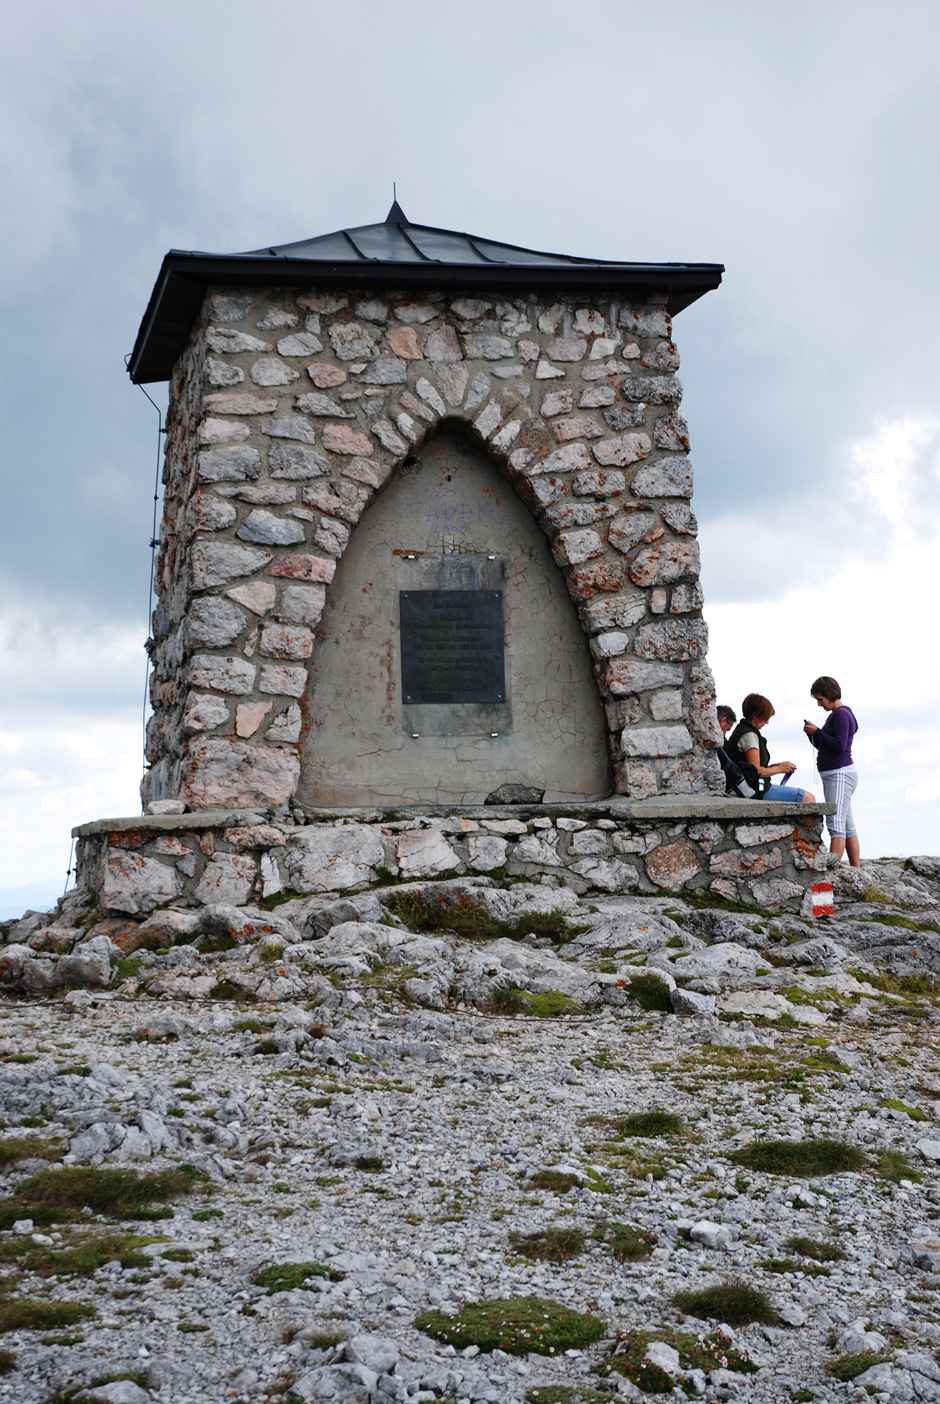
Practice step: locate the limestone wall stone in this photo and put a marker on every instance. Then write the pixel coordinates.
(287, 418)
(741, 850)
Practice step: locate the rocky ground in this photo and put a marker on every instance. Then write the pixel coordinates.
(379, 1100)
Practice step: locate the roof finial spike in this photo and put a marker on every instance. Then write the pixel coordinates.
(396, 214)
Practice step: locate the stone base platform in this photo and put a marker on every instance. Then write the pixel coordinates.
(741, 850)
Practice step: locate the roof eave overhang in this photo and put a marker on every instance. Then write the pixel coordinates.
(178, 292)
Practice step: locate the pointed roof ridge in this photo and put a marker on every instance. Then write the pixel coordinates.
(396, 214)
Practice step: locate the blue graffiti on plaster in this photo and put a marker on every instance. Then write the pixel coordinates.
(448, 513)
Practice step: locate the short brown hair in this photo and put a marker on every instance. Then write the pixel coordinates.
(828, 688)
(757, 708)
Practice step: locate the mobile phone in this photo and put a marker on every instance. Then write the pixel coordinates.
(786, 778)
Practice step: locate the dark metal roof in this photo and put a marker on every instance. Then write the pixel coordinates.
(394, 254)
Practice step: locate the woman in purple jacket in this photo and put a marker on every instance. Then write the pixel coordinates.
(833, 741)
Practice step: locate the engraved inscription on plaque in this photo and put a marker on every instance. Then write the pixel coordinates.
(452, 646)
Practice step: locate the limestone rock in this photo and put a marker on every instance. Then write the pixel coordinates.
(515, 794)
(216, 562)
(84, 967)
(135, 884)
(424, 852)
(227, 878)
(670, 477)
(321, 858)
(220, 772)
(266, 529)
(239, 463)
(688, 1002)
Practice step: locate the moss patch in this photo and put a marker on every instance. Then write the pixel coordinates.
(517, 1326)
(473, 922)
(542, 1006)
(735, 1302)
(800, 1159)
(284, 1277)
(896, 1104)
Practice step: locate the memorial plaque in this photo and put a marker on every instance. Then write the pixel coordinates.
(452, 646)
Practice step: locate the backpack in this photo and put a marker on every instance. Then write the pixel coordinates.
(741, 778)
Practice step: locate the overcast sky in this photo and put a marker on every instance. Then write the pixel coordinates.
(797, 144)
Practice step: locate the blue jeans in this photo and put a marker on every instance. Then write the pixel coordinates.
(784, 793)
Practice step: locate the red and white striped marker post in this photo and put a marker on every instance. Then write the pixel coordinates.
(822, 899)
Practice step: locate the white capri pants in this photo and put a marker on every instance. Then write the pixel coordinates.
(839, 787)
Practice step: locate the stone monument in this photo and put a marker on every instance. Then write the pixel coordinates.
(428, 542)
(427, 526)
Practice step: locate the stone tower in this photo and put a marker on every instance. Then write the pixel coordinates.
(428, 526)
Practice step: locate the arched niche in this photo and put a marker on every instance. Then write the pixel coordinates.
(448, 521)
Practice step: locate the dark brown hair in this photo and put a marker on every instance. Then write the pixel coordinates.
(828, 688)
(757, 708)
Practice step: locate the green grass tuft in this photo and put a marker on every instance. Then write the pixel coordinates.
(26, 1148)
(41, 1316)
(284, 1277)
(711, 1352)
(7, 1362)
(628, 1243)
(801, 1159)
(892, 1165)
(816, 1249)
(57, 1196)
(555, 1181)
(650, 992)
(734, 1302)
(79, 1258)
(517, 1325)
(650, 1123)
(848, 1366)
(552, 1245)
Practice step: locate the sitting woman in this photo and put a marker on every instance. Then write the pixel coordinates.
(746, 743)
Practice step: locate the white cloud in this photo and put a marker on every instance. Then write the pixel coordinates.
(70, 736)
(862, 616)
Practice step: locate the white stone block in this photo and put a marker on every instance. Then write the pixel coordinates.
(136, 885)
(655, 741)
(424, 852)
(222, 673)
(321, 858)
(670, 477)
(228, 878)
(622, 451)
(266, 529)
